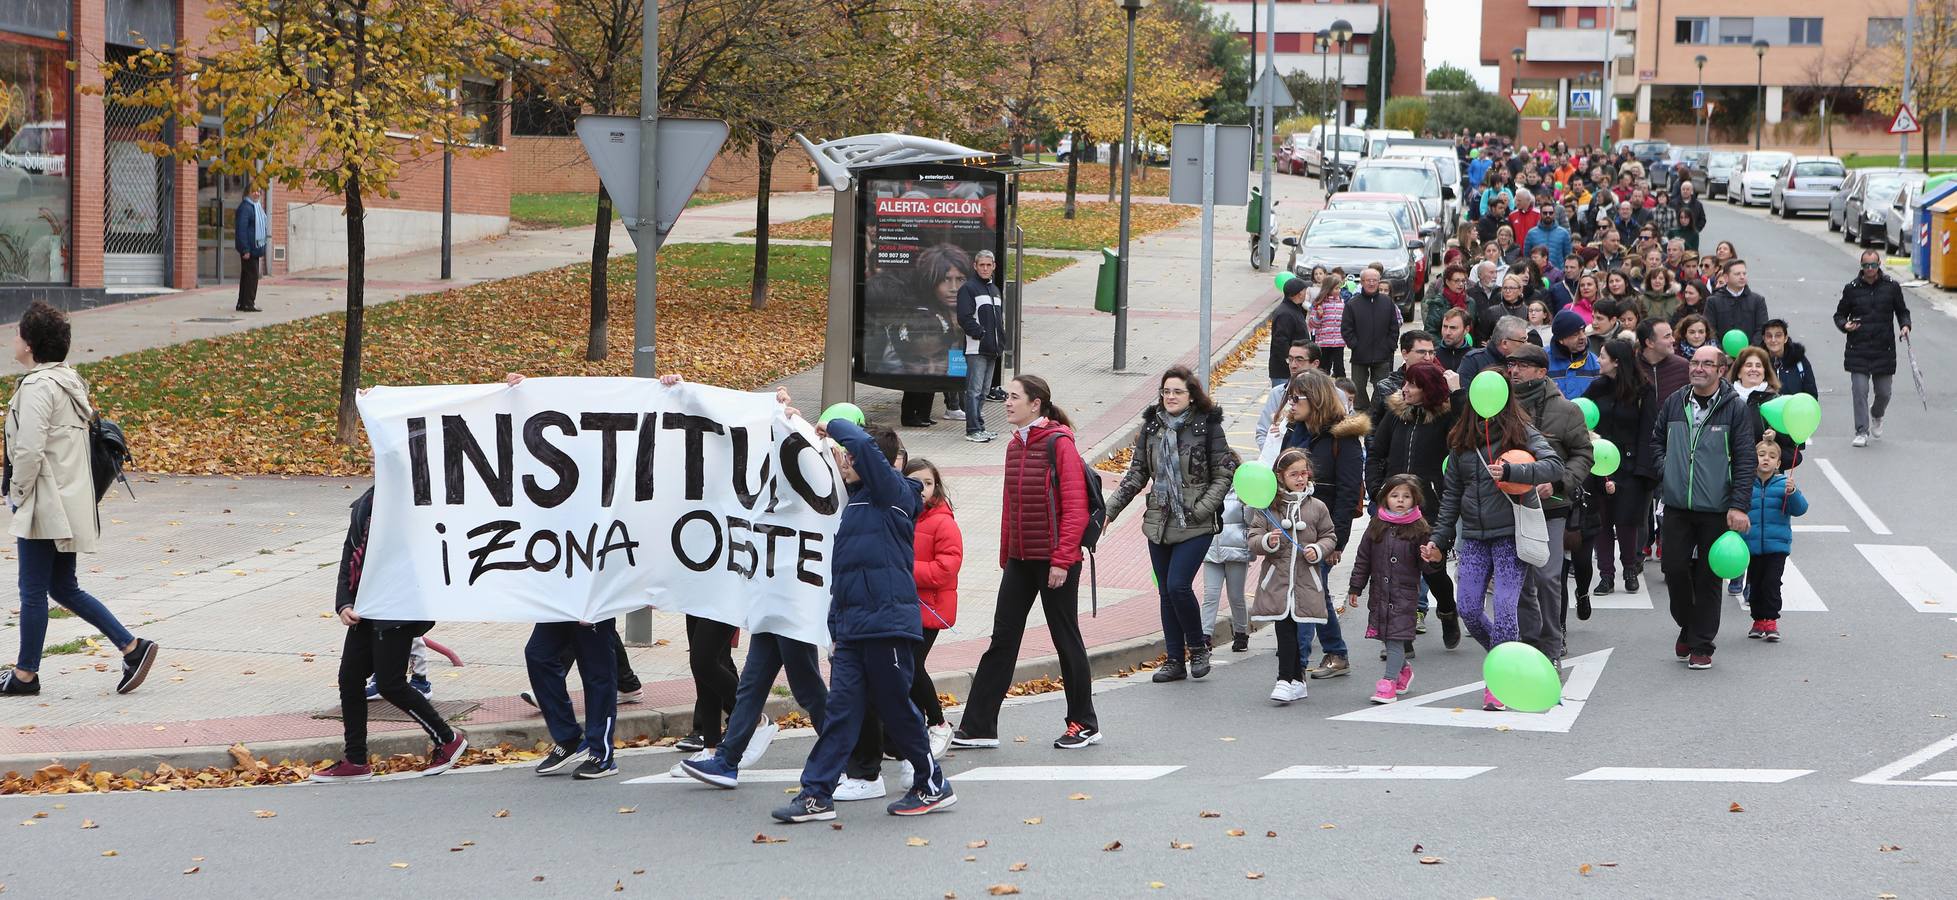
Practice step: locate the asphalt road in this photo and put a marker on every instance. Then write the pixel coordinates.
(1821, 766)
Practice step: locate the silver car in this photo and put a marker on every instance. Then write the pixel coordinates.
(1865, 208)
(1897, 237)
(1753, 178)
(1352, 239)
(1719, 171)
(1416, 178)
(1805, 184)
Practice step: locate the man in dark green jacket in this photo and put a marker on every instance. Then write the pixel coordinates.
(1703, 442)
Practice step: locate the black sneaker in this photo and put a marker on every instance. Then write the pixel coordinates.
(11, 686)
(692, 743)
(559, 759)
(805, 808)
(1605, 586)
(915, 803)
(1450, 630)
(1199, 661)
(1583, 607)
(1173, 670)
(1240, 643)
(960, 739)
(526, 697)
(1631, 581)
(592, 769)
(1077, 737)
(135, 666)
(996, 395)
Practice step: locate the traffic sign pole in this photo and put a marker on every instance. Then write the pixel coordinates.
(638, 623)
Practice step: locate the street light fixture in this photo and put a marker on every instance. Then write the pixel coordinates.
(1321, 44)
(1341, 34)
(1516, 76)
(1131, 7)
(1705, 136)
(1759, 91)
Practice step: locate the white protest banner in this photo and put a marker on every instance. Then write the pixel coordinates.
(578, 499)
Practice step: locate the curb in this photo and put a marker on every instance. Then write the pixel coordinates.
(672, 721)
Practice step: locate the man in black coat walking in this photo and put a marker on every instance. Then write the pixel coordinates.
(1870, 311)
(1371, 328)
(1288, 326)
(1737, 307)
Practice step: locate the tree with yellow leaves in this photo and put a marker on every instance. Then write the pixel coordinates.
(1172, 80)
(1933, 72)
(329, 94)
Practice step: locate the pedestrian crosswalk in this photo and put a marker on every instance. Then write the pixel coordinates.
(1923, 579)
(1079, 774)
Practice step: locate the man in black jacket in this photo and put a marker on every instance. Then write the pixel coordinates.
(1870, 310)
(1371, 327)
(981, 315)
(1498, 215)
(1288, 326)
(1736, 307)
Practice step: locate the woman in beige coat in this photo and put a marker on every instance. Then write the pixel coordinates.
(51, 489)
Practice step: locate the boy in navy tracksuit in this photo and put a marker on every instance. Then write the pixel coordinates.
(553, 647)
(873, 618)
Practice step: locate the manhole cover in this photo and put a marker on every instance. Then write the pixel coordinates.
(214, 319)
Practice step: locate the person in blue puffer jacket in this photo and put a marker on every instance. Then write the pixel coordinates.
(874, 620)
(1776, 501)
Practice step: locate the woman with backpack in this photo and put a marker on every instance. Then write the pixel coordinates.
(1045, 524)
(50, 486)
(1184, 462)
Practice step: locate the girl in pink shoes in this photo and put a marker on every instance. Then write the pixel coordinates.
(1292, 536)
(1389, 562)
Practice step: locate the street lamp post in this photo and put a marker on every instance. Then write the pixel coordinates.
(1515, 84)
(1705, 134)
(1131, 7)
(1759, 91)
(1322, 44)
(1340, 33)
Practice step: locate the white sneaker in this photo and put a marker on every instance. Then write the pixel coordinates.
(1288, 691)
(955, 415)
(940, 740)
(1861, 440)
(858, 789)
(702, 756)
(909, 777)
(764, 734)
(1875, 428)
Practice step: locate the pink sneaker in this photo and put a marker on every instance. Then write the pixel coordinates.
(1383, 691)
(1490, 704)
(1405, 680)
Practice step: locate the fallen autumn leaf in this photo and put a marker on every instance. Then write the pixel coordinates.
(916, 842)
(1000, 890)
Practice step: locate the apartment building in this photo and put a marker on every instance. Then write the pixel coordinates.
(1557, 52)
(1299, 21)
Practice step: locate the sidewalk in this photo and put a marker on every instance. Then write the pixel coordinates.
(233, 576)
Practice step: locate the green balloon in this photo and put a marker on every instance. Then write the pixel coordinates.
(1606, 457)
(1733, 342)
(1522, 677)
(1444, 461)
(849, 411)
(1283, 277)
(1729, 555)
(1802, 416)
(1256, 484)
(1488, 393)
(1545, 125)
(1590, 411)
(1775, 411)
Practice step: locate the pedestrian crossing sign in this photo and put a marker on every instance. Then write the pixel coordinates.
(1580, 102)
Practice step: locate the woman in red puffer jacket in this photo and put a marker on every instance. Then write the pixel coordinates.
(940, 549)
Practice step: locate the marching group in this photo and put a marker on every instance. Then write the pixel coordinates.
(1622, 420)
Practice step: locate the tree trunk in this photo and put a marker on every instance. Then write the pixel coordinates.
(597, 338)
(356, 213)
(1073, 173)
(764, 152)
(1926, 145)
(1115, 152)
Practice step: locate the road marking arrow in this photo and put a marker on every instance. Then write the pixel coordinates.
(1887, 774)
(1426, 710)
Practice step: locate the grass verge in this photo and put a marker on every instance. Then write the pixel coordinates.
(1938, 161)
(1095, 224)
(577, 208)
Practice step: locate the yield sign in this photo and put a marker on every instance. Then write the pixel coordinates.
(1520, 99)
(1905, 122)
(1428, 709)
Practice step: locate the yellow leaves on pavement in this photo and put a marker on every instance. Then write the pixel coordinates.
(916, 842)
(764, 839)
(1034, 820)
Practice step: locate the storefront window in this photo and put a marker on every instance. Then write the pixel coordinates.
(34, 187)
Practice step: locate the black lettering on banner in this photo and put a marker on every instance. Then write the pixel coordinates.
(610, 425)
(679, 548)
(502, 529)
(747, 497)
(624, 542)
(418, 460)
(573, 552)
(791, 467)
(642, 466)
(804, 555)
(772, 532)
(530, 551)
(458, 443)
(736, 546)
(443, 529)
(547, 453)
(696, 428)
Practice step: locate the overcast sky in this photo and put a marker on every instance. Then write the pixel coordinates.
(1454, 35)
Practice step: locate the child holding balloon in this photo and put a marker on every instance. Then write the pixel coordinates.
(1775, 502)
(1388, 562)
(1292, 531)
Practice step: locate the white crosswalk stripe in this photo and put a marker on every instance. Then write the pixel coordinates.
(1924, 580)
(1366, 773)
(1724, 776)
(1064, 773)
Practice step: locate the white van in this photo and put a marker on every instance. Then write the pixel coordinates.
(1376, 139)
(1352, 147)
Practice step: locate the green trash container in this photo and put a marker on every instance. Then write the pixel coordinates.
(1254, 211)
(1104, 288)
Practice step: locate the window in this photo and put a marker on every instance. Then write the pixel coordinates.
(1549, 20)
(483, 100)
(34, 183)
(1586, 21)
(1884, 30)
(1735, 29)
(1693, 31)
(1804, 32)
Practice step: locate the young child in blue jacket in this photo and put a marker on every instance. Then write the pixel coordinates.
(874, 620)
(1776, 501)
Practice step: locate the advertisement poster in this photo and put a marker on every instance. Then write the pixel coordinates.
(921, 231)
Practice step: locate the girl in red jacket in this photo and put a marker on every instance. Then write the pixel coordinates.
(940, 551)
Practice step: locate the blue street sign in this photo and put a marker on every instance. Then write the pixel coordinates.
(1698, 99)
(1580, 102)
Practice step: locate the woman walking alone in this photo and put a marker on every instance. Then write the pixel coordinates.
(50, 487)
(1041, 525)
(1182, 465)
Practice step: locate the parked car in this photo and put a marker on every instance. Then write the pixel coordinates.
(1065, 150)
(1318, 142)
(1414, 177)
(1353, 239)
(1805, 184)
(1852, 188)
(1868, 202)
(1719, 171)
(1753, 178)
(1378, 138)
(1407, 213)
(1688, 163)
(1441, 154)
(1898, 238)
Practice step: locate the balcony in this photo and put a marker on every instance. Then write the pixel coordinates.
(1548, 45)
(1312, 64)
(1302, 18)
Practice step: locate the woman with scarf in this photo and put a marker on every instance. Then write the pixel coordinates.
(1450, 291)
(1182, 464)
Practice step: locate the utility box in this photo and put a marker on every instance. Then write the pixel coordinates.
(1942, 251)
(1919, 226)
(1254, 220)
(1104, 286)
